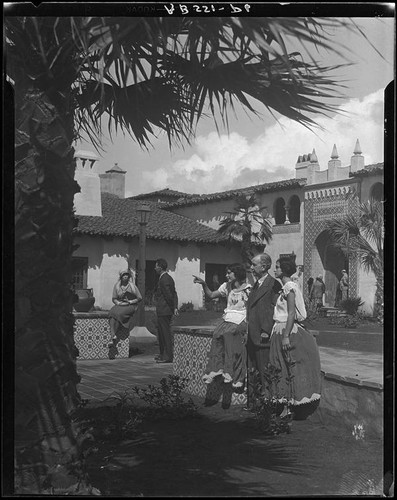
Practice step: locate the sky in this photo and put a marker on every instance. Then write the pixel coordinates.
(260, 150)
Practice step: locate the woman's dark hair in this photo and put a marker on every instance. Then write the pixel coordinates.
(162, 263)
(287, 266)
(239, 271)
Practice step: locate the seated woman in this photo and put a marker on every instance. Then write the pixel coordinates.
(227, 353)
(293, 349)
(125, 298)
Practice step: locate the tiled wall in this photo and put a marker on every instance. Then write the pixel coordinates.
(92, 336)
(191, 348)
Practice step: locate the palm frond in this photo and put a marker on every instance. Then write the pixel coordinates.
(209, 65)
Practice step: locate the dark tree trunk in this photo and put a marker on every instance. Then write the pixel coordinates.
(48, 447)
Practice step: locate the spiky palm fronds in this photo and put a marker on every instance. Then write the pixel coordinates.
(240, 225)
(163, 74)
(363, 235)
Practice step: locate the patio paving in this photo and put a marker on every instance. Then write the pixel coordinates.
(102, 377)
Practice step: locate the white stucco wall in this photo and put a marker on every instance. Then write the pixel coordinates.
(106, 258)
(284, 244)
(366, 290)
(212, 213)
(367, 281)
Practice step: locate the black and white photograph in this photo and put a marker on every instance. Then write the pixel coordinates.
(201, 206)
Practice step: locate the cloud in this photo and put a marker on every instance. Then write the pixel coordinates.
(232, 161)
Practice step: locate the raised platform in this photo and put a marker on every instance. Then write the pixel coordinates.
(92, 336)
(352, 389)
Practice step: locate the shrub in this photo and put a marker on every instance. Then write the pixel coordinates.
(268, 406)
(168, 397)
(351, 305)
(186, 307)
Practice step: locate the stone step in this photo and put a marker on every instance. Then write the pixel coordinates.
(333, 312)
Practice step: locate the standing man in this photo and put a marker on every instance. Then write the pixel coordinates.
(317, 292)
(260, 310)
(166, 300)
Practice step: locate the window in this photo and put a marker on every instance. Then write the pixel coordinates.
(279, 211)
(79, 271)
(294, 209)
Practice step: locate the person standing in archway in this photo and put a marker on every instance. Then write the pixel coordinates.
(344, 285)
(317, 292)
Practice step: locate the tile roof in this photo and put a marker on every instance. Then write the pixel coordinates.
(167, 192)
(374, 168)
(119, 219)
(225, 195)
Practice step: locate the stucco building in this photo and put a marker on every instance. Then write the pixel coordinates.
(183, 227)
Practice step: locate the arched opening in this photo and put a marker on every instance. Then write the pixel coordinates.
(279, 211)
(294, 209)
(328, 261)
(377, 191)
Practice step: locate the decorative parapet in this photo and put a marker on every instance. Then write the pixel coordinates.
(342, 173)
(320, 176)
(286, 228)
(326, 192)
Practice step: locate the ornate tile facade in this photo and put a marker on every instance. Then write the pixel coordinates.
(322, 204)
(92, 337)
(191, 349)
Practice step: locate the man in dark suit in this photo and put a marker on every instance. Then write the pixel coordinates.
(166, 300)
(260, 310)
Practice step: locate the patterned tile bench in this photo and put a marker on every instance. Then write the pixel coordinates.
(92, 336)
(191, 348)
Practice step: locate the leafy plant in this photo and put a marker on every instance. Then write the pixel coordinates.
(351, 305)
(249, 225)
(186, 307)
(168, 397)
(268, 404)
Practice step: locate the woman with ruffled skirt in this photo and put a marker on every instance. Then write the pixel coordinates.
(227, 353)
(294, 355)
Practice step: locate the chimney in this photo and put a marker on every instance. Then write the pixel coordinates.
(333, 164)
(357, 160)
(301, 166)
(88, 201)
(113, 181)
(312, 168)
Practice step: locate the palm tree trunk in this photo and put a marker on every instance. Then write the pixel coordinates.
(379, 298)
(47, 444)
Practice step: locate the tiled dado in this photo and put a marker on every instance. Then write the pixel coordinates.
(191, 348)
(92, 336)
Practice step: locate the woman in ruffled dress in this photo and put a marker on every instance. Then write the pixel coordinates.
(126, 297)
(293, 349)
(227, 353)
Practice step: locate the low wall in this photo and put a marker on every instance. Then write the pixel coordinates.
(344, 401)
(191, 347)
(92, 336)
(351, 402)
